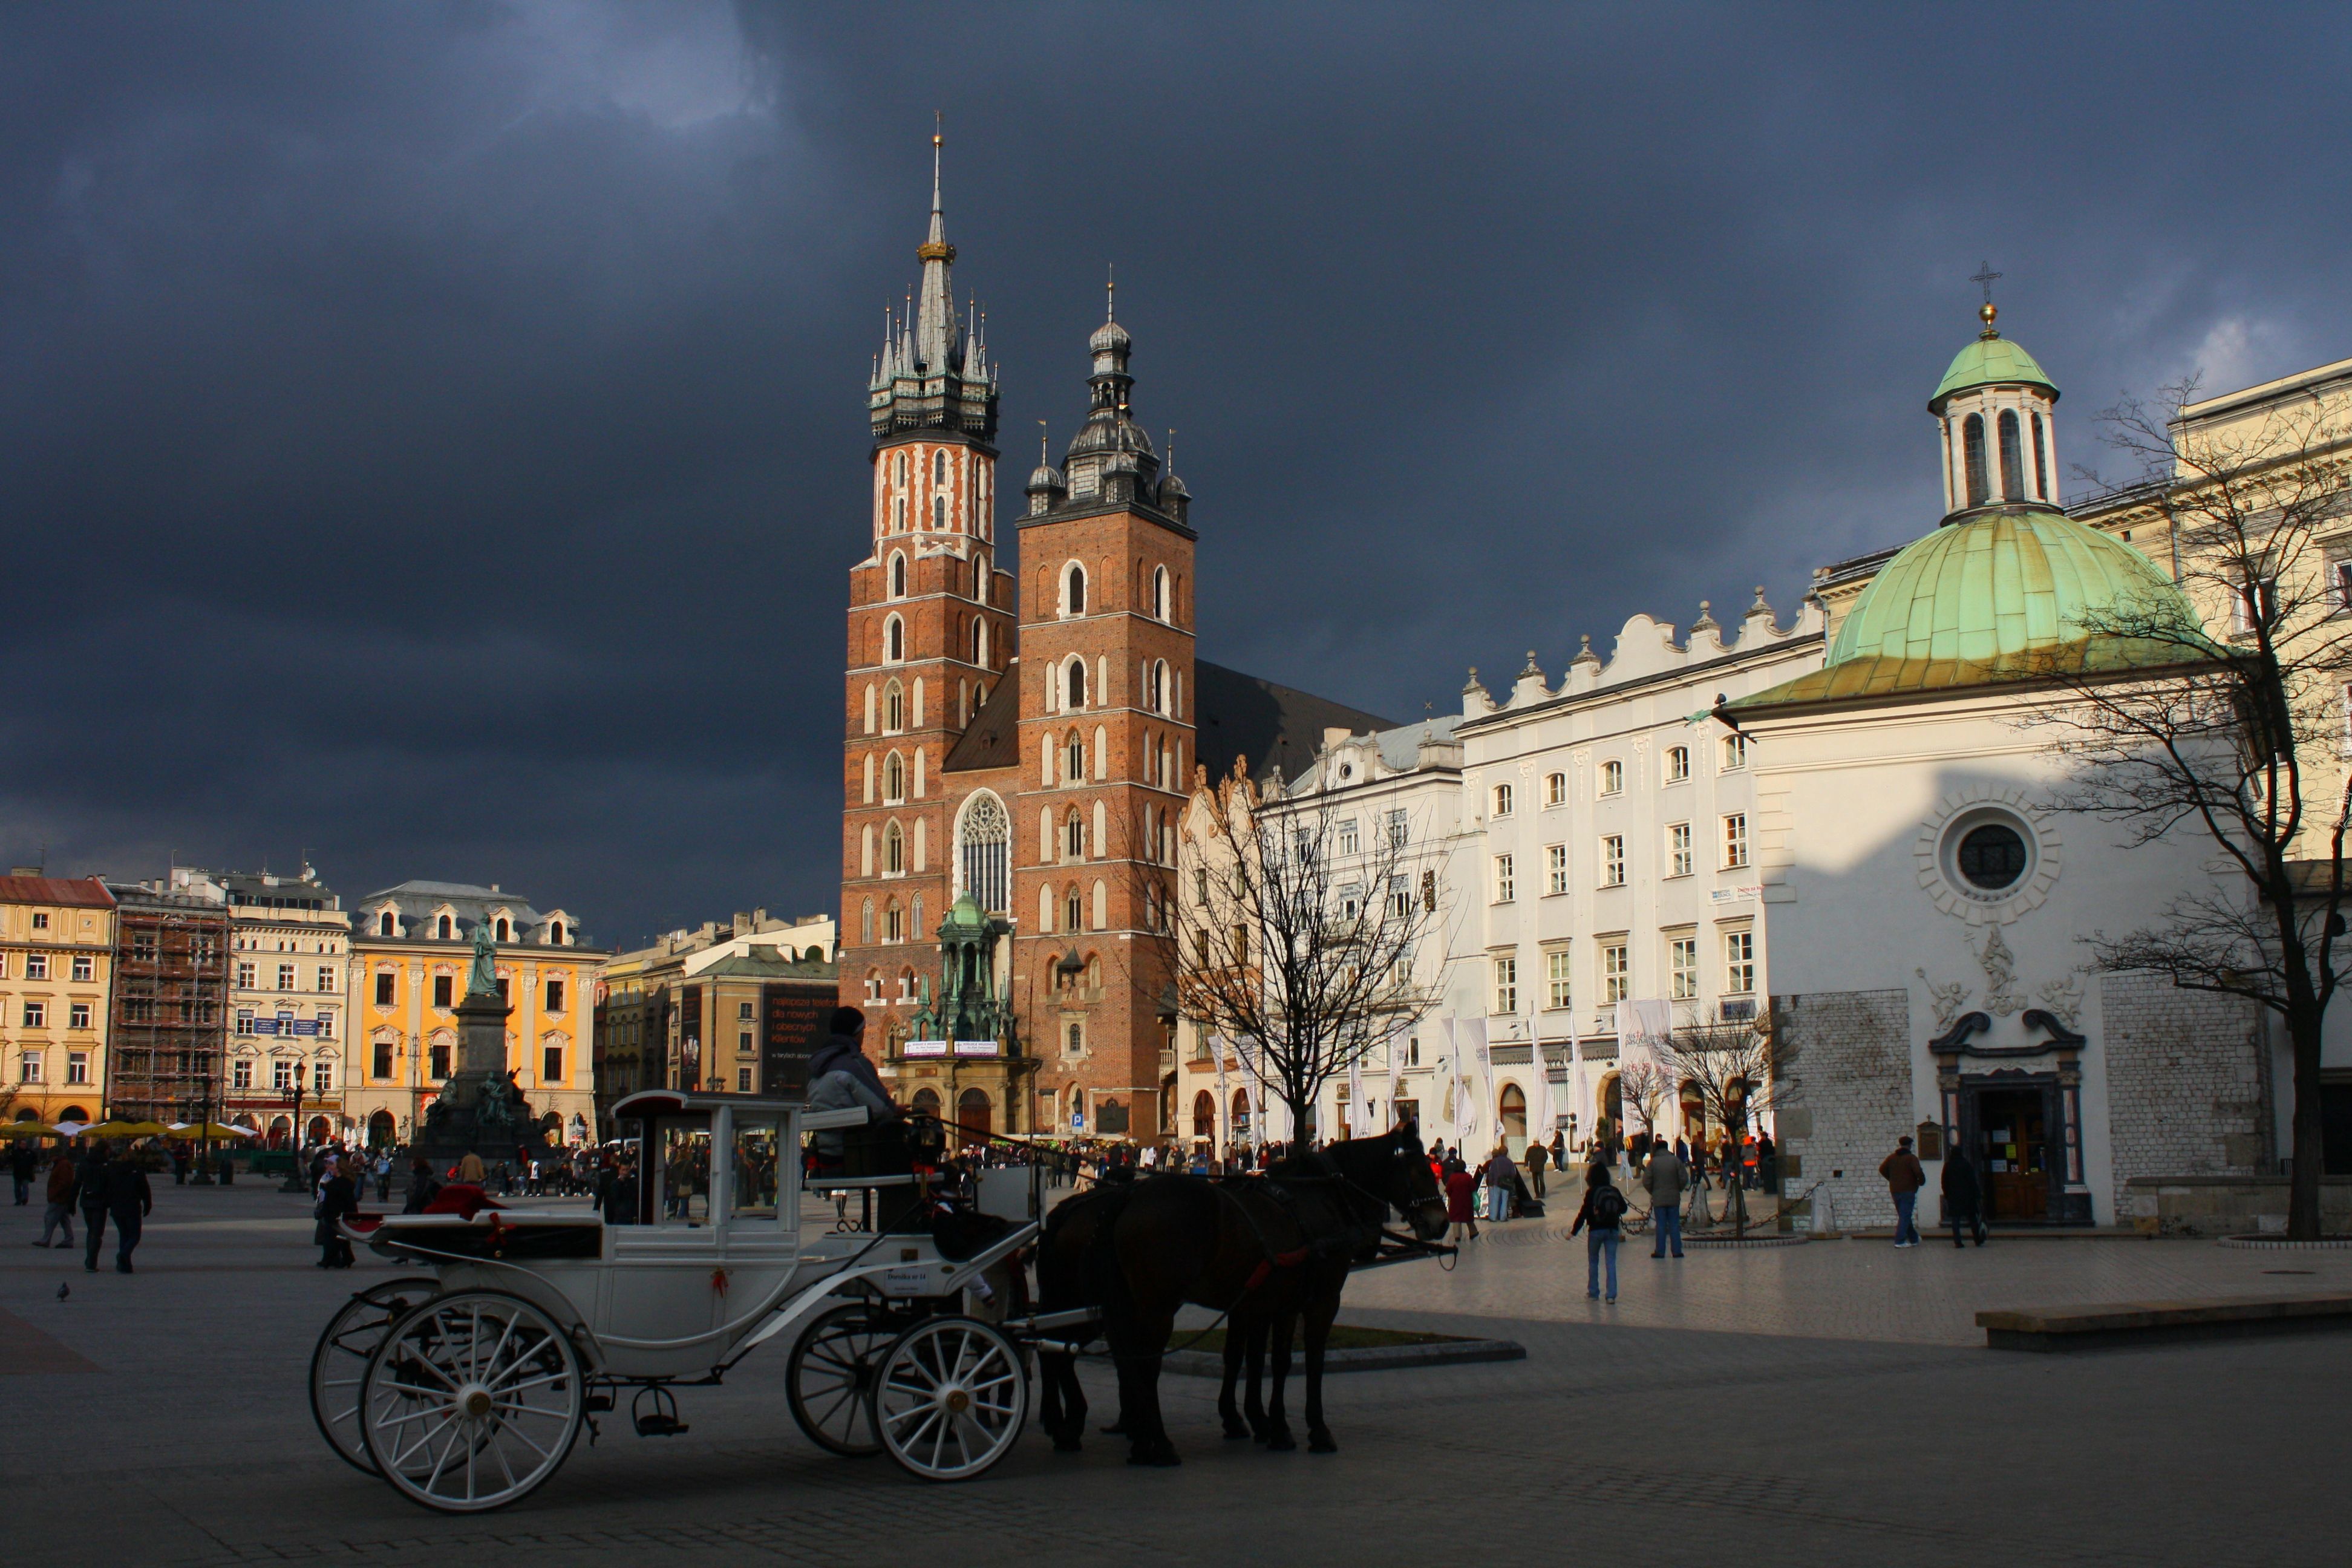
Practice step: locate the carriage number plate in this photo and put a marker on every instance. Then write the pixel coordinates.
(912, 1281)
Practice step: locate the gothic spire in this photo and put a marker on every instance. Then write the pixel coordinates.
(936, 337)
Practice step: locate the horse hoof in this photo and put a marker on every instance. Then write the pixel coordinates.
(1321, 1446)
(1282, 1443)
(1236, 1429)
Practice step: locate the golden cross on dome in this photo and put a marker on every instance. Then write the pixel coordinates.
(1986, 276)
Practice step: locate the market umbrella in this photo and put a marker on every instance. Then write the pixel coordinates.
(127, 1130)
(26, 1130)
(72, 1129)
(208, 1130)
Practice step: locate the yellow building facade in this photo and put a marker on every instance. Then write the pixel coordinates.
(56, 967)
(411, 948)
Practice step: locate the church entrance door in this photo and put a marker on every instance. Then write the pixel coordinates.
(2014, 1154)
(973, 1114)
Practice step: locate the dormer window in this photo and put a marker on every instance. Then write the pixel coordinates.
(383, 924)
(555, 933)
(446, 929)
(503, 934)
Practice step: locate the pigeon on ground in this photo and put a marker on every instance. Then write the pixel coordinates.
(64, 1291)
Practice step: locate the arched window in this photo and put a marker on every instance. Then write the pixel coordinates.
(894, 641)
(555, 933)
(446, 931)
(1159, 608)
(940, 514)
(1204, 1115)
(1102, 905)
(1074, 837)
(1074, 911)
(1973, 454)
(383, 923)
(1102, 756)
(1073, 590)
(865, 924)
(2013, 459)
(894, 779)
(1155, 689)
(1045, 909)
(502, 928)
(939, 466)
(979, 641)
(898, 575)
(916, 931)
(1073, 760)
(983, 852)
(894, 709)
(2041, 461)
(894, 854)
(894, 921)
(1074, 684)
(901, 482)
(982, 587)
(1512, 1112)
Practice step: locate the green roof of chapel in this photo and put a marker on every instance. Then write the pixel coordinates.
(1991, 361)
(2013, 593)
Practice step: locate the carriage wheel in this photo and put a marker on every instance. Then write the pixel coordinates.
(339, 1362)
(472, 1401)
(829, 1381)
(951, 1399)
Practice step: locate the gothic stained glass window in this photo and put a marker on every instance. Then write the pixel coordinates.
(984, 837)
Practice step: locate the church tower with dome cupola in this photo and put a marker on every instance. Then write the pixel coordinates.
(932, 624)
(1107, 748)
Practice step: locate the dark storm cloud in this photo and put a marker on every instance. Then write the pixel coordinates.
(433, 435)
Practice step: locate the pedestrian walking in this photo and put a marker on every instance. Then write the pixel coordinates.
(129, 1200)
(338, 1197)
(1462, 1205)
(383, 1176)
(1963, 1197)
(1664, 1178)
(1536, 1159)
(1599, 1216)
(21, 1159)
(1905, 1176)
(59, 1195)
(470, 1167)
(89, 1191)
(422, 1186)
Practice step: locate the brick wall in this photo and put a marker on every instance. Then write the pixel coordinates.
(2186, 1081)
(1853, 1075)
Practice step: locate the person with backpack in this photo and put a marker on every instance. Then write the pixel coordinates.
(1599, 1216)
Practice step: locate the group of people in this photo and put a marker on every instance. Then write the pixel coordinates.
(105, 1181)
(1963, 1193)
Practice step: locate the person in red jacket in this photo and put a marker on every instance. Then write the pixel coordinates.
(1462, 1205)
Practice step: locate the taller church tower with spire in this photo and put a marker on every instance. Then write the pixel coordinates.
(932, 626)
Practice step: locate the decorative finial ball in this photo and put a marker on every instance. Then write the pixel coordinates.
(1987, 312)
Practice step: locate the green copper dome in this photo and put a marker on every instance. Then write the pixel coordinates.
(2003, 596)
(1989, 361)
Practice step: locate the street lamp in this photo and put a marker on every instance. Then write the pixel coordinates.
(294, 1182)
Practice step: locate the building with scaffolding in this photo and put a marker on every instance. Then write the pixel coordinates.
(163, 1056)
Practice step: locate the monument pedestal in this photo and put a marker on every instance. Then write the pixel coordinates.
(479, 1111)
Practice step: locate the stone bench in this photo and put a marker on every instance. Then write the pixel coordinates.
(2100, 1325)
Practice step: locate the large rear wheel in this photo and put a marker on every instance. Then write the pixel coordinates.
(950, 1398)
(339, 1364)
(472, 1401)
(829, 1381)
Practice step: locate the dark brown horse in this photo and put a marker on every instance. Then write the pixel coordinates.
(1272, 1249)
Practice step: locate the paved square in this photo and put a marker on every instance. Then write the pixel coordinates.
(1819, 1405)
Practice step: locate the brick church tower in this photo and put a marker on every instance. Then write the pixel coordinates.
(1106, 742)
(930, 631)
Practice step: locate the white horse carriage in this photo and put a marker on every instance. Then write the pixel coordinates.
(466, 1390)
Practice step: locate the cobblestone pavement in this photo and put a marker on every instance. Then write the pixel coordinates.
(163, 1415)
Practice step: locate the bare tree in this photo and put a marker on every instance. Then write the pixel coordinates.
(2235, 742)
(1739, 1073)
(1294, 933)
(1642, 1089)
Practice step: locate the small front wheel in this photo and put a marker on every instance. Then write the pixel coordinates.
(339, 1362)
(472, 1401)
(951, 1399)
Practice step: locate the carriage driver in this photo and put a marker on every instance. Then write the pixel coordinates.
(840, 1076)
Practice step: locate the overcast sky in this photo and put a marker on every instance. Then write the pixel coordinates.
(434, 435)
